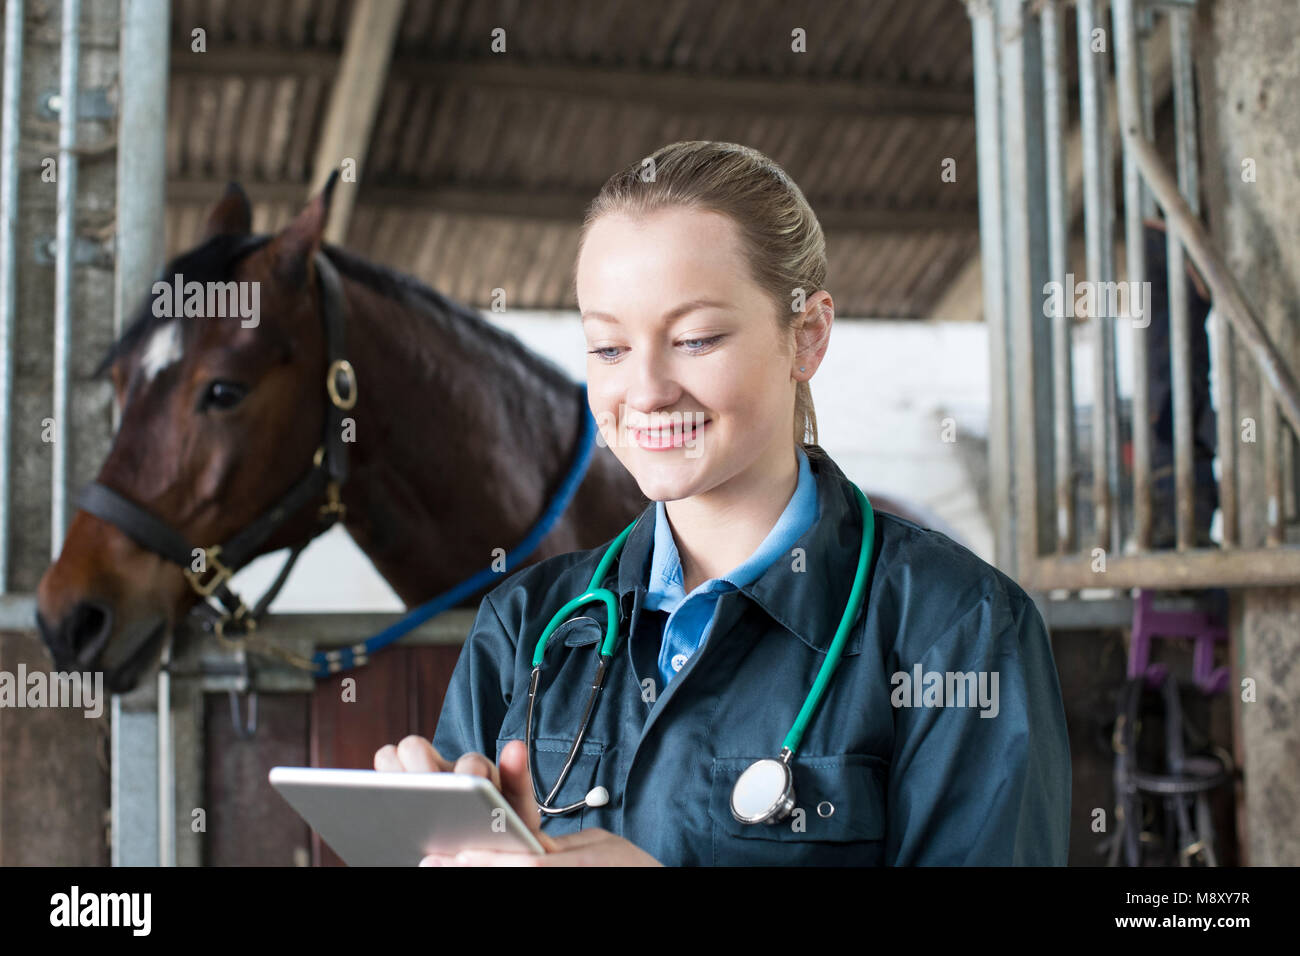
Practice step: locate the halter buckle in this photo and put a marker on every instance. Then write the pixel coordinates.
(333, 505)
(242, 619)
(344, 367)
(220, 573)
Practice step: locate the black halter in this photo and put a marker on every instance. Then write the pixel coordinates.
(327, 473)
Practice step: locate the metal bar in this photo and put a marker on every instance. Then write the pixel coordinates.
(142, 169)
(1180, 355)
(1113, 613)
(1098, 214)
(1288, 476)
(133, 769)
(1130, 85)
(1224, 381)
(1180, 334)
(65, 235)
(988, 151)
(1058, 227)
(1011, 23)
(17, 611)
(1224, 289)
(1270, 434)
(166, 767)
(1153, 87)
(10, 133)
(1168, 570)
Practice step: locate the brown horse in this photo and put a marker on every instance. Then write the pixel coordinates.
(461, 436)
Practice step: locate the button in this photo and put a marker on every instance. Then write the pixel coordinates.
(679, 661)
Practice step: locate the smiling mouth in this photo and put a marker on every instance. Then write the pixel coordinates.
(674, 437)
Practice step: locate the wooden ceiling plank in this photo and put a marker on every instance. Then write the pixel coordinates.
(354, 101)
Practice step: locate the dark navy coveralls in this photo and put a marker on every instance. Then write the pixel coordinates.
(875, 783)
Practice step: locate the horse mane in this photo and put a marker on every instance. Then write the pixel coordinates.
(213, 261)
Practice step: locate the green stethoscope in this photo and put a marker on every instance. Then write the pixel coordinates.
(764, 793)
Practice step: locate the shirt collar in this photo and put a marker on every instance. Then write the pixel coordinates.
(808, 603)
(666, 584)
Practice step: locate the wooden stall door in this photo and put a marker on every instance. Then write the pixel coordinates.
(399, 692)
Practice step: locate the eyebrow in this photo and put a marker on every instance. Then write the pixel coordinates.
(671, 316)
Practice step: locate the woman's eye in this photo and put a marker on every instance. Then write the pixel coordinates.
(703, 343)
(222, 395)
(692, 345)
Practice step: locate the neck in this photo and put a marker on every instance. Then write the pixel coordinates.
(443, 471)
(718, 530)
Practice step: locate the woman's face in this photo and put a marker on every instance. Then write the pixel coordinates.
(688, 375)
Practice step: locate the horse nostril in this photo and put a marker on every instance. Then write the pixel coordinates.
(87, 628)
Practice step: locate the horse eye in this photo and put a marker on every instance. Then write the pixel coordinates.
(222, 395)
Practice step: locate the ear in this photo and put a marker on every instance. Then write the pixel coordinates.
(231, 216)
(294, 247)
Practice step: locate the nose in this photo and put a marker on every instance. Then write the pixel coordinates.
(76, 640)
(650, 385)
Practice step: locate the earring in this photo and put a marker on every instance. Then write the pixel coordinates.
(801, 368)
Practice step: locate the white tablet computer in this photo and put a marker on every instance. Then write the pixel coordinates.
(382, 818)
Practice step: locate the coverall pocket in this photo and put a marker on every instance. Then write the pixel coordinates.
(548, 757)
(838, 818)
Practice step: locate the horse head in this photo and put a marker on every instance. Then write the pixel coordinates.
(218, 383)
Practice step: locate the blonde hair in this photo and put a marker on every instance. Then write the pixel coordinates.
(780, 236)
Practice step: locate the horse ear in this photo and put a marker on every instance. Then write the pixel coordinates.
(231, 216)
(293, 248)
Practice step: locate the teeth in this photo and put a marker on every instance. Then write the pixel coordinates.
(662, 433)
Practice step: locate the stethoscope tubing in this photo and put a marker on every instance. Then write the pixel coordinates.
(606, 651)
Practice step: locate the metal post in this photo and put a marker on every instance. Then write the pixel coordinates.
(1058, 226)
(1012, 35)
(1098, 216)
(1145, 18)
(988, 138)
(1180, 341)
(141, 169)
(65, 238)
(1224, 380)
(143, 801)
(166, 774)
(1129, 88)
(10, 131)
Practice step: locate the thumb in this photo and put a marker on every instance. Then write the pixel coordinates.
(517, 788)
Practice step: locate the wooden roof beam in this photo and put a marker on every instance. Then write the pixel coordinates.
(354, 102)
(550, 205)
(665, 90)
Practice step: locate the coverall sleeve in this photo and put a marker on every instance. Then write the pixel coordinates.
(479, 693)
(967, 789)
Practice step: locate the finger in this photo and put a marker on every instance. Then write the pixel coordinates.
(572, 841)
(479, 766)
(495, 858)
(386, 759)
(517, 785)
(418, 755)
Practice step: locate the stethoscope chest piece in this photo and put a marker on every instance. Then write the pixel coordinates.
(764, 793)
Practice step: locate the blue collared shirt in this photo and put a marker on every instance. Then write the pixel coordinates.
(691, 616)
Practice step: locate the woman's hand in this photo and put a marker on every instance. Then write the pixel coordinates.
(591, 847)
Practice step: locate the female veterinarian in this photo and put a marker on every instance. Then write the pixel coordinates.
(780, 689)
